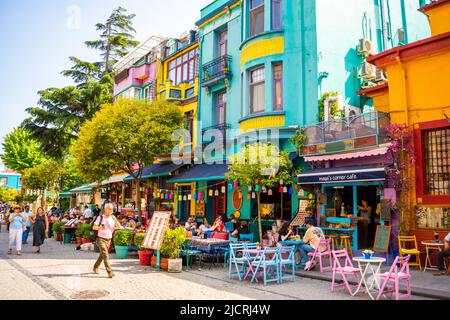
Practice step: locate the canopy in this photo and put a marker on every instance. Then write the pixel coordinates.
(349, 155)
(114, 179)
(343, 175)
(157, 170)
(202, 172)
(67, 194)
(87, 188)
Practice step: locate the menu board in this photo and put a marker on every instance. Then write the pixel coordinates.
(156, 230)
(382, 238)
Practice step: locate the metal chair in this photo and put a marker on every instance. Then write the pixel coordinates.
(190, 252)
(246, 237)
(269, 262)
(237, 260)
(287, 260)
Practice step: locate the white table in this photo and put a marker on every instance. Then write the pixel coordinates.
(429, 246)
(372, 268)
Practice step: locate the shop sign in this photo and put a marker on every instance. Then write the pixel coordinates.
(343, 177)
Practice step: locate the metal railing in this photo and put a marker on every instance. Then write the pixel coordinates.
(220, 67)
(357, 126)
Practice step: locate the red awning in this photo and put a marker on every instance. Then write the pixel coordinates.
(350, 155)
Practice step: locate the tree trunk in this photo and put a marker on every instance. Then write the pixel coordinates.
(259, 218)
(137, 183)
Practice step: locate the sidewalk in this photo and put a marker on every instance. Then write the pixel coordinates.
(422, 284)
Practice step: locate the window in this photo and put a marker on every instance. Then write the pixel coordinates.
(278, 87)
(222, 48)
(137, 93)
(221, 105)
(256, 17)
(277, 15)
(3, 182)
(148, 93)
(437, 161)
(257, 90)
(184, 68)
(189, 124)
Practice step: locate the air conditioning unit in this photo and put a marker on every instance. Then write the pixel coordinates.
(365, 47)
(368, 71)
(380, 75)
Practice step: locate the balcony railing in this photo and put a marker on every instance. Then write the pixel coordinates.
(346, 134)
(217, 70)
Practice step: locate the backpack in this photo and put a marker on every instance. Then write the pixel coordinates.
(96, 231)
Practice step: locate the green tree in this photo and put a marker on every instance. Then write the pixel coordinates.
(9, 195)
(334, 106)
(21, 151)
(60, 113)
(261, 164)
(126, 136)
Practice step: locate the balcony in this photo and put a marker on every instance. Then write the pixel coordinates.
(181, 92)
(359, 132)
(217, 71)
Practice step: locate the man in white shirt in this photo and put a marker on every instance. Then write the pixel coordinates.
(87, 212)
(442, 255)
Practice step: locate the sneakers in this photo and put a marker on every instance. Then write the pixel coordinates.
(440, 274)
(307, 266)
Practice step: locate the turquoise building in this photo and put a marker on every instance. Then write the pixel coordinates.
(10, 179)
(264, 64)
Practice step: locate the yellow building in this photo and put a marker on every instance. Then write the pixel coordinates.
(418, 94)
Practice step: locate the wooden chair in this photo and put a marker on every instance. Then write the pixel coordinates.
(403, 249)
(333, 241)
(346, 244)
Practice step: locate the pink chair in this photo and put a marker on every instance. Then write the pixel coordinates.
(344, 271)
(319, 255)
(394, 275)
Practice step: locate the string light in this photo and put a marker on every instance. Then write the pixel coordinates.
(285, 190)
(210, 193)
(166, 197)
(200, 195)
(249, 196)
(171, 196)
(280, 189)
(291, 191)
(184, 198)
(189, 197)
(195, 196)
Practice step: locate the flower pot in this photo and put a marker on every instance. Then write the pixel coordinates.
(122, 252)
(164, 262)
(175, 265)
(84, 241)
(58, 237)
(79, 242)
(67, 238)
(145, 257)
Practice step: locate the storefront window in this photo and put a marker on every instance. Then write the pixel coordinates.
(257, 90)
(256, 17)
(437, 161)
(432, 218)
(3, 182)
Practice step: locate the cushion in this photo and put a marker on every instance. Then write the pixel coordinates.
(347, 269)
(410, 251)
(400, 275)
(220, 235)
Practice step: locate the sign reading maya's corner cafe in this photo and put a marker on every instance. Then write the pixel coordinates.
(338, 177)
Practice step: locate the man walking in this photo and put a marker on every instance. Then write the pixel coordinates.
(26, 213)
(442, 255)
(105, 225)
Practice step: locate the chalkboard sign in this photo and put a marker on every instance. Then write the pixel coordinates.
(382, 238)
(156, 230)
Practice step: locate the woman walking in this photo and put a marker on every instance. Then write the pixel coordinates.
(40, 228)
(16, 225)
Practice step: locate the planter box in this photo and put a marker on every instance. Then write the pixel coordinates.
(164, 263)
(79, 242)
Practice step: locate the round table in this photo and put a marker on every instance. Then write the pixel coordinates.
(429, 246)
(372, 268)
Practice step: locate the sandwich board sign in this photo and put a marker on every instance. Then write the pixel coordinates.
(382, 238)
(156, 230)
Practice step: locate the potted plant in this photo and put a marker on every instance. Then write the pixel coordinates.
(170, 250)
(78, 234)
(122, 242)
(145, 255)
(58, 229)
(86, 233)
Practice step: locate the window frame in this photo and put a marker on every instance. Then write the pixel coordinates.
(423, 197)
(180, 68)
(274, 84)
(277, 16)
(254, 84)
(5, 179)
(250, 14)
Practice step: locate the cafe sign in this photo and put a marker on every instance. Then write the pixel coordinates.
(342, 175)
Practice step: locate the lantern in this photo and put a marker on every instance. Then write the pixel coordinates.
(250, 189)
(210, 193)
(180, 198)
(257, 188)
(240, 195)
(189, 197)
(185, 198)
(311, 196)
(171, 196)
(146, 190)
(270, 193)
(154, 194)
(236, 184)
(224, 189)
(291, 191)
(158, 195)
(166, 197)
(216, 193)
(230, 187)
(200, 195)
(195, 196)
(162, 195)
(296, 187)
(280, 189)
(249, 196)
(281, 182)
(285, 190)
(253, 195)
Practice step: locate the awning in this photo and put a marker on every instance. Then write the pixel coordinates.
(349, 155)
(115, 179)
(343, 175)
(202, 172)
(87, 188)
(157, 170)
(67, 194)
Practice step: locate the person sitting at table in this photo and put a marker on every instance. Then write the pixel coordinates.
(311, 240)
(286, 231)
(218, 225)
(243, 229)
(190, 224)
(127, 222)
(204, 227)
(442, 255)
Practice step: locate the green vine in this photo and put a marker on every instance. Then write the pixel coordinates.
(299, 139)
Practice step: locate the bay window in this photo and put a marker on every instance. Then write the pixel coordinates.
(256, 17)
(257, 90)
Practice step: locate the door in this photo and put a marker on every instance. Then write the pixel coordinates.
(220, 202)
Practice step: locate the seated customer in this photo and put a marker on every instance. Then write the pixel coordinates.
(311, 240)
(190, 224)
(204, 227)
(243, 229)
(442, 255)
(218, 225)
(286, 231)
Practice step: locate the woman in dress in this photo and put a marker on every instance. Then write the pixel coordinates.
(40, 228)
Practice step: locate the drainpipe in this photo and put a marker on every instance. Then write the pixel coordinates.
(405, 97)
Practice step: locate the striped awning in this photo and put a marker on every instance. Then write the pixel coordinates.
(349, 155)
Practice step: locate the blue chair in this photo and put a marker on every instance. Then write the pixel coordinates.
(269, 263)
(190, 253)
(246, 237)
(229, 226)
(237, 261)
(287, 263)
(227, 252)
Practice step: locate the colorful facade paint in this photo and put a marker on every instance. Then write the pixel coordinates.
(416, 95)
(297, 50)
(10, 179)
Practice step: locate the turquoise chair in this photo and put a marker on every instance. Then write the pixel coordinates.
(287, 263)
(238, 261)
(227, 252)
(269, 263)
(229, 226)
(190, 253)
(246, 237)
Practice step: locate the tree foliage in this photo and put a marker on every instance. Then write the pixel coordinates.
(42, 176)
(9, 195)
(60, 113)
(126, 136)
(21, 151)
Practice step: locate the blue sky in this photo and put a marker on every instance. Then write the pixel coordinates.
(38, 36)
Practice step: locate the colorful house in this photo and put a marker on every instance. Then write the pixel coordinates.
(416, 95)
(10, 179)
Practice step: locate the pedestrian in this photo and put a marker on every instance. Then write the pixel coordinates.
(40, 228)
(442, 255)
(16, 225)
(27, 213)
(105, 225)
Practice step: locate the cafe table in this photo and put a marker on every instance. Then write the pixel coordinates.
(371, 269)
(431, 246)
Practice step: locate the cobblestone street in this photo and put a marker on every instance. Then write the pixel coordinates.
(60, 272)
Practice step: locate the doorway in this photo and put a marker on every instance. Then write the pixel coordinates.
(369, 194)
(220, 201)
